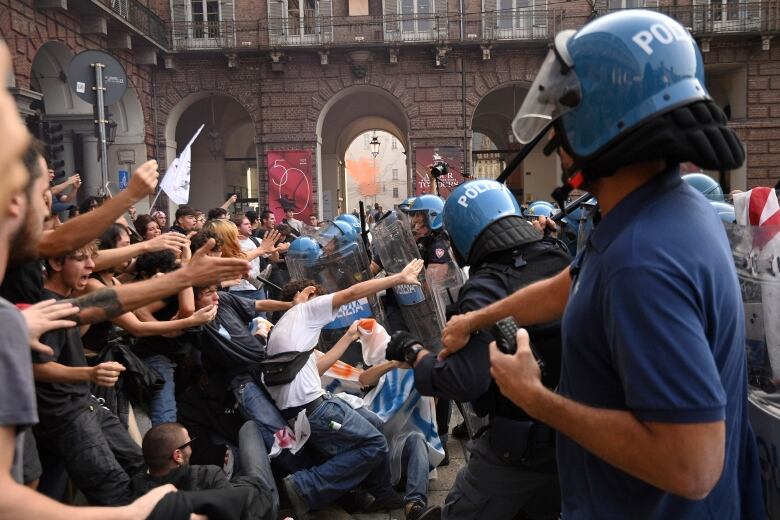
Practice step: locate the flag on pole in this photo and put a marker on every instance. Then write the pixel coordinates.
(176, 183)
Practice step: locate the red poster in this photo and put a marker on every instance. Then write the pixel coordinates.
(423, 159)
(290, 184)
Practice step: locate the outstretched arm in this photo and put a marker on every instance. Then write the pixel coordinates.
(337, 350)
(80, 230)
(369, 287)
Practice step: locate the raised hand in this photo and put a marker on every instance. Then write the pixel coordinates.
(175, 242)
(204, 270)
(455, 335)
(46, 316)
(408, 275)
(304, 295)
(143, 181)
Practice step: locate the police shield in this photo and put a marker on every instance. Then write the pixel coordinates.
(446, 281)
(339, 269)
(396, 247)
(756, 252)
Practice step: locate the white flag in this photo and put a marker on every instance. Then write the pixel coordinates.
(176, 182)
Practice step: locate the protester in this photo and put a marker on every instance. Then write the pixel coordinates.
(186, 220)
(162, 220)
(147, 227)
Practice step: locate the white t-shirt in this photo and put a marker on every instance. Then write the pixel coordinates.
(246, 246)
(299, 330)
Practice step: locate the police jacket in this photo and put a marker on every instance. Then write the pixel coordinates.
(465, 376)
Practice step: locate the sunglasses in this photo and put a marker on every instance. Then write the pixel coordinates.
(180, 448)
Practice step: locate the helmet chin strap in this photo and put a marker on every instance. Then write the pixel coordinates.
(572, 176)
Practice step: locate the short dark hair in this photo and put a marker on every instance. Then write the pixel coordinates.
(217, 213)
(159, 444)
(31, 155)
(200, 239)
(266, 214)
(293, 287)
(149, 264)
(284, 229)
(251, 215)
(186, 211)
(197, 291)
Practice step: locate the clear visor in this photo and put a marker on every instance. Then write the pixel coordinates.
(555, 91)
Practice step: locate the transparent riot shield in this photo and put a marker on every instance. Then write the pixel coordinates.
(756, 252)
(396, 247)
(446, 281)
(335, 271)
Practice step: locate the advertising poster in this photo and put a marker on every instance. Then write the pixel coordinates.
(423, 159)
(290, 183)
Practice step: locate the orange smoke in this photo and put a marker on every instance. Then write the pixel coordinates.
(364, 174)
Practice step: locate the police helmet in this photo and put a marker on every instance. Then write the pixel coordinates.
(336, 234)
(350, 219)
(304, 248)
(616, 92)
(483, 217)
(540, 208)
(404, 205)
(705, 185)
(431, 205)
(725, 211)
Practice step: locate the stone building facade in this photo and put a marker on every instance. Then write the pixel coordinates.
(267, 77)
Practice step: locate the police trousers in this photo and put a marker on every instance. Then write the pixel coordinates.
(489, 487)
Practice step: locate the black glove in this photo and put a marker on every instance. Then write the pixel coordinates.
(399, 343)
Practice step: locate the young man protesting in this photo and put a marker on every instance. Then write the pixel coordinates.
(186, 220)
(98, 453)
(355, 449)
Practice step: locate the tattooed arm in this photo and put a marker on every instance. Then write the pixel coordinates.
(201, 271)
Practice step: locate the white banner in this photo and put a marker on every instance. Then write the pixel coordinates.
(176, 182)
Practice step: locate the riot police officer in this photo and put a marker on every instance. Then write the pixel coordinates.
(512, 464)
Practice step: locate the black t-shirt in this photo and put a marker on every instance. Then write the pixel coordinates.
(226, 343)
(60, 403)
(175, 348)
(23, 283)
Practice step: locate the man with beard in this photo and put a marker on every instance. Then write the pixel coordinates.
(17, 400)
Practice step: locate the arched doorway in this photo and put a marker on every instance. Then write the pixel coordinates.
(494, 145)
(224, 158)
(80, 144)
(347, 115)
(375, 165)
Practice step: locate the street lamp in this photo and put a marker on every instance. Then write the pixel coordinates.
(374, 144)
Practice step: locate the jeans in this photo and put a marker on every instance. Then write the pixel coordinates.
(355, 451)
(256, 405)
(98, 454)
(254, 461)
(414, 459)
(163, 402)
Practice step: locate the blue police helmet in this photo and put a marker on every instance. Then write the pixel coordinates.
(725, 211)
(705, 185)
(619, 71)
(350, 219)
(431, 205)
(304, 248)
(540, 208)
(336, 235)
(482, 217)
(404, 204)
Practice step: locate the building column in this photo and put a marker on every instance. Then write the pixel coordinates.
(90, 177)
(68, 154)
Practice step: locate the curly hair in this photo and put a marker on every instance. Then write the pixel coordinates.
(203, 236)
(227, 232)
(293, 287)
(149, 264)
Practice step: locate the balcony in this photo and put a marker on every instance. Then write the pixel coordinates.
(200, 36)
(138, 17)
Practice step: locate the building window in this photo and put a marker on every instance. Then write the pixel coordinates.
(395, 193)
(626, 4)
(416, 15)
(395, 174)
(384, 188)
(395, 144)
(205, 18)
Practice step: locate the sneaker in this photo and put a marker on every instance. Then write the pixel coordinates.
(460, 431)
(356, 501)
(298, 501)
(391, 501)
(416, 511)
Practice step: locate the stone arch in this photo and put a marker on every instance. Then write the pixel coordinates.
(345, 115)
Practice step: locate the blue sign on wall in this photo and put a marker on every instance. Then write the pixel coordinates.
(124, 179)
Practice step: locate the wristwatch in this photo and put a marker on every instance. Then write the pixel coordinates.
(410, 354)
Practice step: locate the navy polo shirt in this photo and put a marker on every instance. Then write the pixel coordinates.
(655, 325)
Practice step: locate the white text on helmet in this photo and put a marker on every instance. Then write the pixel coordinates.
(473, 191)
(661, 33)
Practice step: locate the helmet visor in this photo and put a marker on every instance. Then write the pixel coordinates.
(555, 91)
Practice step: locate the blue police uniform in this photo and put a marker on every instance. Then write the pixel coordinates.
(654, 325)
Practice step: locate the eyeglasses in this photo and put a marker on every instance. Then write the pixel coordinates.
(180, 448)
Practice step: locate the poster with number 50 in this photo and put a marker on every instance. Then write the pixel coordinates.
(290, 183)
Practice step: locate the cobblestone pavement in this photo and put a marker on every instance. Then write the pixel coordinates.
(437, 488)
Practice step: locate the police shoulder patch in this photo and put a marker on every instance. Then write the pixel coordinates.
(439, 252)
